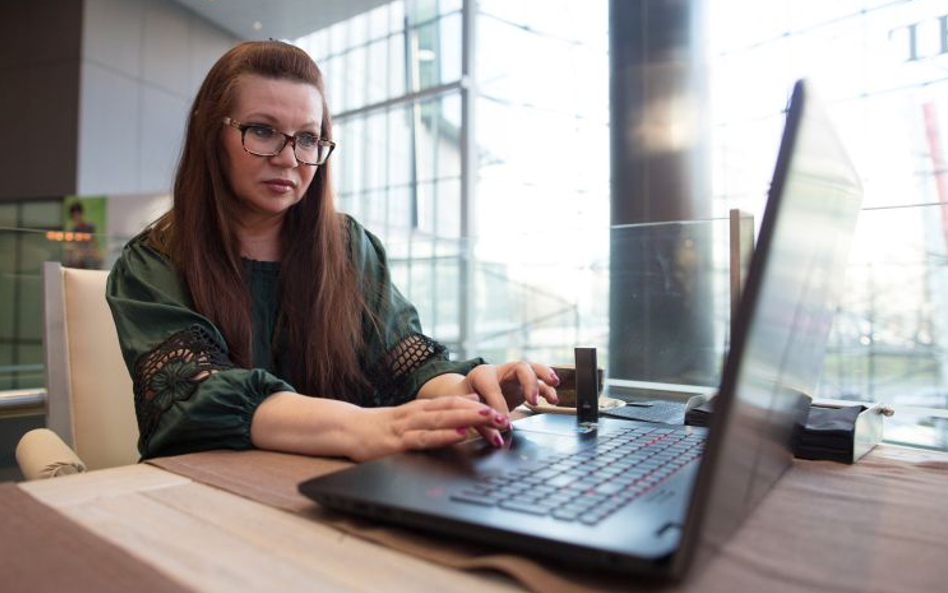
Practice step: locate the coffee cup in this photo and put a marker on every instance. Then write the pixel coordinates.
(566, 390)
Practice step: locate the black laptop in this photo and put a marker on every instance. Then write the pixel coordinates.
(645, 497)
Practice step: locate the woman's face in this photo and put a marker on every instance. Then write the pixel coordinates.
(266, 187)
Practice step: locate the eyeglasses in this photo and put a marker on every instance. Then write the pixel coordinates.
(261, 140)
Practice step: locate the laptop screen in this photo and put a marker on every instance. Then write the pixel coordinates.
(794, 284)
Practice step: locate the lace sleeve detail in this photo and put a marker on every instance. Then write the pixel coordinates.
(392, 373)
(172, 372)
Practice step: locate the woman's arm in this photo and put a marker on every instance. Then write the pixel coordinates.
(189, 396)
(295, 423)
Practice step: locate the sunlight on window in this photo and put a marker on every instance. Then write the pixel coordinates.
(532, 248)
(882, 68)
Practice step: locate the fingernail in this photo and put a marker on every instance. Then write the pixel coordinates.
(500, 419)
(484, 411)
(498, 440)
(462, 432)
(556, 378)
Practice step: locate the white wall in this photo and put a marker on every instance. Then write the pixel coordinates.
(128, 215)
(142, 62)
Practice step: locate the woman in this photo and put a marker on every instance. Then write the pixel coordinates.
(254, 315)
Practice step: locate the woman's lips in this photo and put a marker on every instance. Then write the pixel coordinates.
(280, 185)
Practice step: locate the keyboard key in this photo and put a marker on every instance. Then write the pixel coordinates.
(560, 498)
(547, 503)
(565, 514)
(499, 480)
(609, 488)
(523, 507)
(562, 480)
(474, 498)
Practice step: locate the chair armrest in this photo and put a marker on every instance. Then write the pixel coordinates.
(42, 454)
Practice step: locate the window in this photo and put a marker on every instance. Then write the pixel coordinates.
(530, 249)
(881, 68)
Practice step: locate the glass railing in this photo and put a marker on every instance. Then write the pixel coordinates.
(656, 300)
(22, 253)
(653, 299)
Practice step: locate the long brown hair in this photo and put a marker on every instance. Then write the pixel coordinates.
(321, 310)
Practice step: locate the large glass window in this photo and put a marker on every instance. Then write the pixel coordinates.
(519, 267)
(539, 170)
(881, 68)
(393, 78)
(542, 178)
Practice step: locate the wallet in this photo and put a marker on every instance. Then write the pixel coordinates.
(831, 433)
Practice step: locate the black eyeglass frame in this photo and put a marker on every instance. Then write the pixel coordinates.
(242, 127)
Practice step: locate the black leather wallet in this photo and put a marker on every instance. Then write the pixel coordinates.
(829, 433)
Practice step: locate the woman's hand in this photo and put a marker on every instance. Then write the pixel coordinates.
(426, 424)
(506, 386)
(502, 387)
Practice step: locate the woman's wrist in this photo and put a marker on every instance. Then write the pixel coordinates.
(369, 434)
(300, 424)
(446, 384)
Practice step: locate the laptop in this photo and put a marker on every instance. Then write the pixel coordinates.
(641, 497)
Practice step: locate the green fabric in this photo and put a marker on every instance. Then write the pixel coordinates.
(156, 323)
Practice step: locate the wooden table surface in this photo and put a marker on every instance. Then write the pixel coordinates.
(211, 540)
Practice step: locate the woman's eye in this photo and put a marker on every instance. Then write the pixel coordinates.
(261, 132)
(307, 140)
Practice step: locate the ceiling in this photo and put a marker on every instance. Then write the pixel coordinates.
(280, 19)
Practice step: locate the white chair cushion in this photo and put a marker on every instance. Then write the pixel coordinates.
(103, 410)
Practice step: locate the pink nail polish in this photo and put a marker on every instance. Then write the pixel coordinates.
(462, 432)
(498, 440)
(484, 411)
(500, 419)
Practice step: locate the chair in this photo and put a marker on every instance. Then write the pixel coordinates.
(90, 413)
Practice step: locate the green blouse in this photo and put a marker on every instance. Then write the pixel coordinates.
(190, 397)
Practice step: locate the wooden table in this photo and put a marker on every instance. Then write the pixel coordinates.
(211, 540)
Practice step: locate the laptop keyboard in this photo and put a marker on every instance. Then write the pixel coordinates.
(589, 485)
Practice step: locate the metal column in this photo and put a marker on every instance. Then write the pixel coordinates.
(661, 325)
